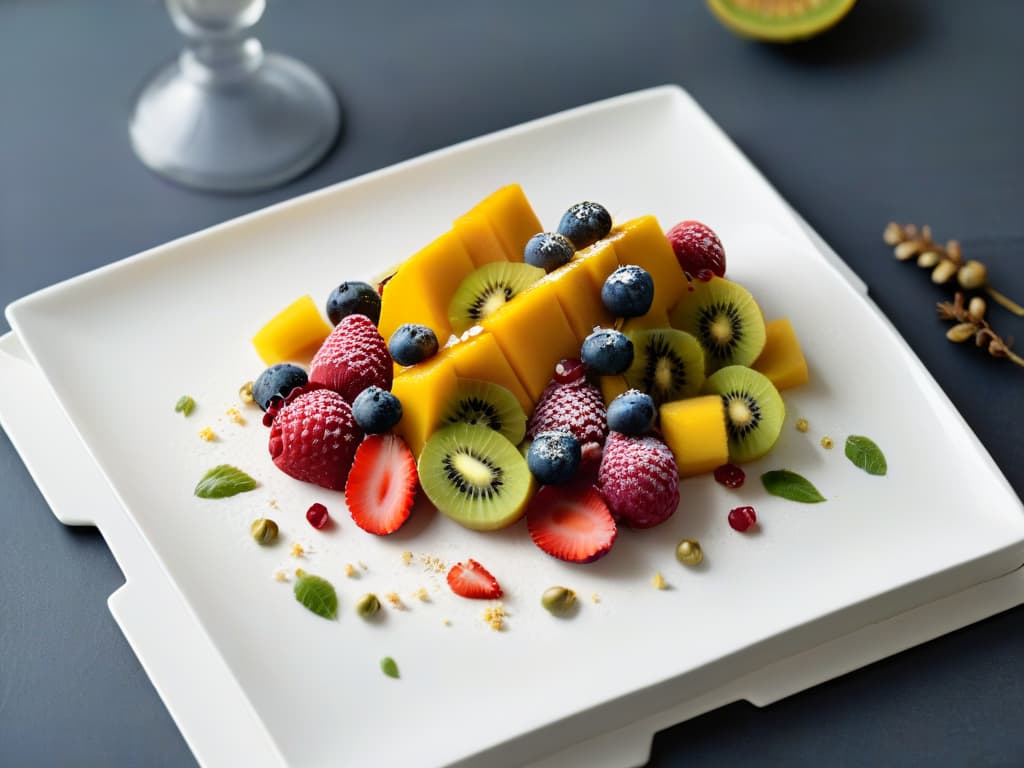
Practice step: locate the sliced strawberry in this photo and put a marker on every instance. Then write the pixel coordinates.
(381, 485)
(472, 580)
(571, 522)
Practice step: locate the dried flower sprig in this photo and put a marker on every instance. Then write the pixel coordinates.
(945, 261)
(971, 323)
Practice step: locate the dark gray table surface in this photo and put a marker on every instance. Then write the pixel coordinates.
(911, 109)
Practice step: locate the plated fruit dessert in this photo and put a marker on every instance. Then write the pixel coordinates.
(569, 376)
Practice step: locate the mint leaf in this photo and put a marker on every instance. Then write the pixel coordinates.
(790, 485)
(185, 405)
(316, 594)
(222, 481)
(863, 452)
(389, 667)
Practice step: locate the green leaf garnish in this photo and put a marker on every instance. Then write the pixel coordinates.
(184, 405)
(790, 485)
(389, 667)
(223, 481)
(863, 452)
(316, 594)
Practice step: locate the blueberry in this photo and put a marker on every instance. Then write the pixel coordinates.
(631, 413)
(548, 250)
(412, 344)
(376, 410)
(353, 298)
(554, 457)
(585, 223)
(607, 352)
(277, 381)
(628, 291)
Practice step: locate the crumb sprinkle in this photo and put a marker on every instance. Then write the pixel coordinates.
(395, 601)
(362, 564)
(280, 575)
(297, 550)
(235, 415)
(207, 434)
(826, 443)
(273, 504)
(802, 425)
(494, 617)
(658, 581)
(421, 595)
(435, 564)
(350, 570)
(407, 557)
(446, 622)
(595, 598)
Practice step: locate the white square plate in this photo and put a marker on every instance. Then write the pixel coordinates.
(119, 346)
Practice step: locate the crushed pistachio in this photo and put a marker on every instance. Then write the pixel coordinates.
(263, 531)
(368, 605)
(207, 434)
(802, 425)
(185, 405)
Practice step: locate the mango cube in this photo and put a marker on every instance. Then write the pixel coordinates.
(480, 357)
(534, 334)
(423, 286)
(695, 431)
(479, 238)
(642, 242)
(512, 218)
(425, 390)
(656, 317)
(612, 387)
(577, 287)
(293, 334)
(781, 359)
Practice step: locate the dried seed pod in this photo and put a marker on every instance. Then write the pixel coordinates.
(944, 272)
(954, 252)
(972, 275)
(928, 259)
(976, 309)
(997, 348)
(983, 336)
(908, 249)
(961, 332)
(893, 233)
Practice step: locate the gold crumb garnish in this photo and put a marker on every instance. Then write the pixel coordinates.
(395, 600)
(235, 415)
(596, 598)
(362, 564)
(280, 575)
(407, 557)
(802, 425)
(245, 393)
(658, 581)
(494, 616)
(350, 570)
(207, 434)
(297, 550)
(435, 564)
(826, 443)
(421, 595)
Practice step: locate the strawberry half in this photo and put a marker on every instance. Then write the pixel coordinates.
(381, 485)
(571, 522)
(472, 580)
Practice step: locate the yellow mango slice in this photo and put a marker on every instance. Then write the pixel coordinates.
(480, 357)
(612, 387)
(577, 287)
(424, 284)
(656, 317)
(695, 431)
(642, 242)
(781, 360)
(512, 218)
(425, 390)
(293, 334)
(534, 334)
(479, 238)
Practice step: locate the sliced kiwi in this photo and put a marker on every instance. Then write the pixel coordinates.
(667, 364)
(475, 476)
(725, 319)
(486, 289)
(780, 21)
(754, 410)
(492, 405)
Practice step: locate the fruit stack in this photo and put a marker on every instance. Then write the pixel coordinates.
(599, 362)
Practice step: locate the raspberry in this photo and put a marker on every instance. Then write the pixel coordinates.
(314, 437)
(352, 358)
(639, 480)
(576, 407)
(698, 249)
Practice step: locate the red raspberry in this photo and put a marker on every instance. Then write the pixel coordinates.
(314, 438)
(698, 249)
(352, 358)
(639, 479)
(576, 407)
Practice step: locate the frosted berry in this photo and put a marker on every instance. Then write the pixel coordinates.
(353, 298)
(553, 457)
(698, 249)
(548, 250)
(376, 410)
(576, 407)
(607, 352)
(412, 344)
(639, 479)
(352, 358)
(632, 413)
(585, 223)
(277, 381)
(628, 291)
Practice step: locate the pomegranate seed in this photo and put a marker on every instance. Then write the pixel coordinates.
(730, 476)
(704, 275)
(742, 518)
(317, 516)
(569, 370)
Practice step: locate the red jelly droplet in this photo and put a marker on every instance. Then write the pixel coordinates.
(730, 476)
(569, 370)
(742, 518)
(317, 516)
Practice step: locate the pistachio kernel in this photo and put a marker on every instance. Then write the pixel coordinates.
(558, 599)
(245, 393)
(368, 605)
(972, 275)
(688, 552)
(263, 531)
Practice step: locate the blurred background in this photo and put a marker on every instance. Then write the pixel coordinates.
(907, 109)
